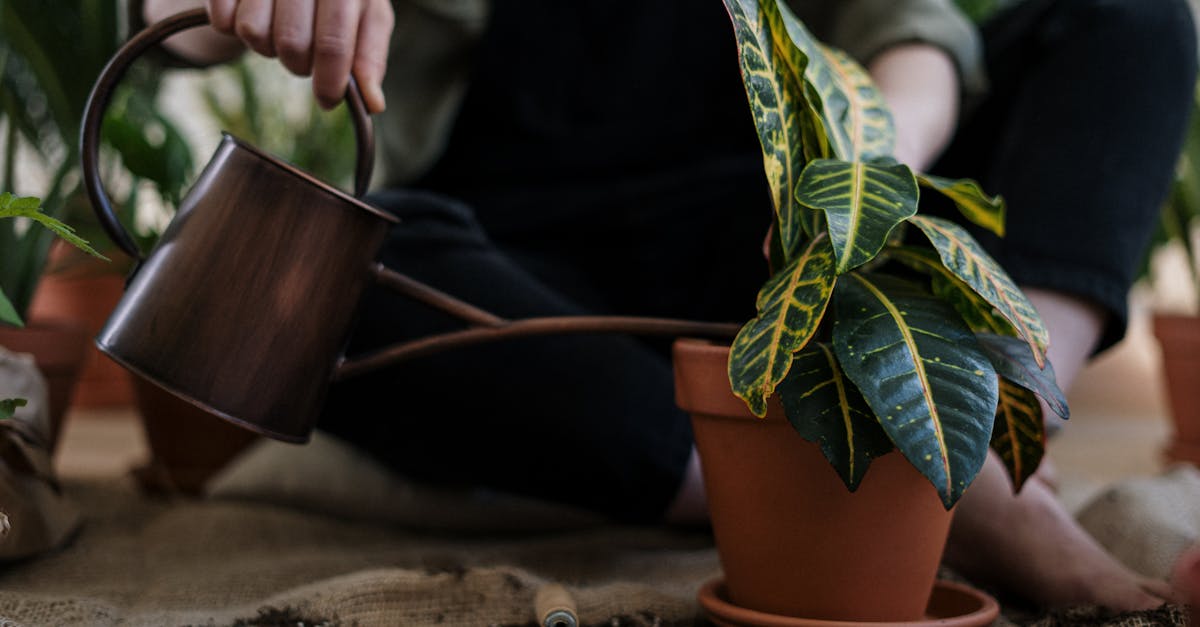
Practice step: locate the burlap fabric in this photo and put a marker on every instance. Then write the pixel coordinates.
(253, 553)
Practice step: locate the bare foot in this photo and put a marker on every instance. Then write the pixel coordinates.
(1029, 545)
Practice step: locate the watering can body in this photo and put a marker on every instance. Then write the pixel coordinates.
(242, 308)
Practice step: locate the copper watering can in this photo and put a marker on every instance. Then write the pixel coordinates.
(244, 305)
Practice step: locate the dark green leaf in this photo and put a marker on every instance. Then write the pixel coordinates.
(1019, 434)
(826, 409)
(963, 256)
(862, 204)
(790, 307)
(979, 314)
(922, 372)
(773, 75)
(1013, 361)
(8, 407)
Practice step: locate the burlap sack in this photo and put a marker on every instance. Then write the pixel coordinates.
(1146, 522)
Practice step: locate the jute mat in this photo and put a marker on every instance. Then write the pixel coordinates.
(241, 557)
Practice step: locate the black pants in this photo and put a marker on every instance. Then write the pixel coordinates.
(1081, 132)
(1085, 119)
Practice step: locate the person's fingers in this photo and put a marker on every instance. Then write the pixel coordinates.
(334, 43)
(292, 32)
(370, 58)
(221, 14)
(253, 25)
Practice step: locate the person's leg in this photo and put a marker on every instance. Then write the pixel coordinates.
(584, 420)
(1028, 542)
(1081, 136)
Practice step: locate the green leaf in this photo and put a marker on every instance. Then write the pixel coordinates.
(963, 256)
(856, 124)
(8, 313)
(862, 204)
(29, 207)
(922, 372)
(1018, 436)
(979, 314)
(773, 75)
(8, 407)
(790, 307)
(826, 409)
(975, 205)
(1013, 361)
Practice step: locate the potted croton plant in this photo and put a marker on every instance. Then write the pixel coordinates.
(889, 352)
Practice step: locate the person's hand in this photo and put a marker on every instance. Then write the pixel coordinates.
(327, 39)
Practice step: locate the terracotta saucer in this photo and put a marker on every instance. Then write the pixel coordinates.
(951, 605)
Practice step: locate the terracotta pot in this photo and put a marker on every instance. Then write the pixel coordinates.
(187, 444)
(791, 538)
(85, 297)
(1179, 340)
(59, 350)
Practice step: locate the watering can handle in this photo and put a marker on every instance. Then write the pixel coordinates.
(98, 101)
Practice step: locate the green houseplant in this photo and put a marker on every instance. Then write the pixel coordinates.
(1178, 332)
(44, 85)
(879, 329)
(29, 210)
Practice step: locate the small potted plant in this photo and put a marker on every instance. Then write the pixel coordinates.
(879, 330)
(58, 351)
(1176, 328)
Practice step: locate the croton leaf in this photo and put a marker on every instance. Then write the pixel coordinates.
(773, 74)
(862, 203)
(856, 120)
(1018, 436)
(8, 406)
(1013, 361)
(979, 314)
(922, 372)
(972, 202)
(790, 307)
(826, 409)
(8, 313)
(963, 256)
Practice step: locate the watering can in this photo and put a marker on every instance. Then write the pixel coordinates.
(245, 304)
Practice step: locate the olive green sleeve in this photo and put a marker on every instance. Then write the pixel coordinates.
(864, 28)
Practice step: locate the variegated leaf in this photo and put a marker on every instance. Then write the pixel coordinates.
(862, 204)
(974, 204)
(790, 307)
(858, 124)
(867, 122)
(826, 409)
(968, 261)
(922, 372)
(773, 75)
(1018, 437)
(1013, 361)
(979, 314)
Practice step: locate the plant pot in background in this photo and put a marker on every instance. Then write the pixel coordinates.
(84, 291)
(1179, 341)
(187, 444)
(59, 350)
(792, 540)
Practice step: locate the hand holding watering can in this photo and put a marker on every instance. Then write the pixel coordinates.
(244, 305)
